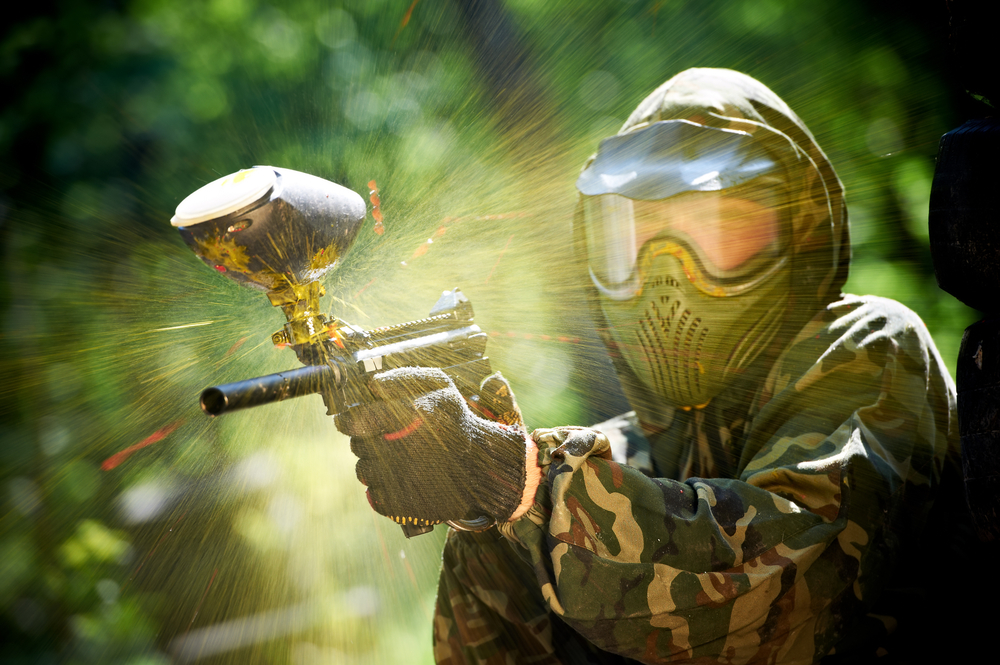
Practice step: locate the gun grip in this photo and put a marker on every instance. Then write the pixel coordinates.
(411, 530)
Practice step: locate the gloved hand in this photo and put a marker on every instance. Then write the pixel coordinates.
(427, 458)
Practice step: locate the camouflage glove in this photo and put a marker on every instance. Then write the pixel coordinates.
(427, 458)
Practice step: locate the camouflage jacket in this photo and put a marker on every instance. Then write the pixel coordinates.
(815, 515)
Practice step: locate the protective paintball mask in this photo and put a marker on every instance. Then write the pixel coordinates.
(688, 243)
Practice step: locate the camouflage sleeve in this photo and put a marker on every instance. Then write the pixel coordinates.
(778, 564)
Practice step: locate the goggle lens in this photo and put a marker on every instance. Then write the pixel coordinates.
(731, 236)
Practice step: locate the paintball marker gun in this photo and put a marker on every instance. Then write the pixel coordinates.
(280, 231)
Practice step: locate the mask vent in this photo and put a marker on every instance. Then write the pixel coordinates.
(671, 339)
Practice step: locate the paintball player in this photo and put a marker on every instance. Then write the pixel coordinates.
(775, 493)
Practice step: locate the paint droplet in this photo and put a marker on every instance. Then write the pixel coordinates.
(119, 457)
(235, 346)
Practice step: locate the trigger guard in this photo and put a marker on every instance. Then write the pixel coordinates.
(481, 523)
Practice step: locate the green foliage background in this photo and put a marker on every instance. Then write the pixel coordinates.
(248, 539)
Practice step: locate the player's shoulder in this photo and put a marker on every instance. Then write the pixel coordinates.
(866, 320)
(859, 330)
(871, 309)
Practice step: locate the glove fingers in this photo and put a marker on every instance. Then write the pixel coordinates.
(393, 457)
(408, 382)
(425, 456)
(374, 463)
(408, 495)
(376, 418)
(497, 401)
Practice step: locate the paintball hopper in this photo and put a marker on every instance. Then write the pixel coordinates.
(278, 231)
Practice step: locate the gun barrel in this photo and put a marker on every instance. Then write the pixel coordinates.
(266, 389)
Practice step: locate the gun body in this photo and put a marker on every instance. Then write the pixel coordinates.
(447, 339)
(280, 231)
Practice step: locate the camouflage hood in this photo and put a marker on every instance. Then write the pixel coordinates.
(730, 100)
(726, 99)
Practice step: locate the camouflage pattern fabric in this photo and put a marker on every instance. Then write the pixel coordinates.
(836, 465)
(812, 510)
